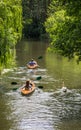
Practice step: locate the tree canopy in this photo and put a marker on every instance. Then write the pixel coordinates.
(64, 27)
(10, 26)
(34, 16)
(62, 20)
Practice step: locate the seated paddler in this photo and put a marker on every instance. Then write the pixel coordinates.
(32, 62)
(28, 85)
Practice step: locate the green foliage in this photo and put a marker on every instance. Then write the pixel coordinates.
(10, 27)
(36, 12)
(64, 27)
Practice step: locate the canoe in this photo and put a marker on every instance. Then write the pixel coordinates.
(28, 92)
(32, 67)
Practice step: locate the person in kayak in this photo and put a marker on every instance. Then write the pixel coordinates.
(32, 62)
(28, 85)
(64, 89)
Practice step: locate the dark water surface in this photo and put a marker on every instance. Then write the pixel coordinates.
(48, 108)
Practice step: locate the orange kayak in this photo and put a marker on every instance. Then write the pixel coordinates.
(28, 92)
(32, 67)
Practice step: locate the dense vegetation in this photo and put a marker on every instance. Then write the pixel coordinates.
(34, 16)
(59, 18)
(64, 27)
(10, 27)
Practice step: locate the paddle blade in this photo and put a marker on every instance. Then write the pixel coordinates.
(14, 89)
(40, 57)
(41, 87)
(13, 83)
(38, 78)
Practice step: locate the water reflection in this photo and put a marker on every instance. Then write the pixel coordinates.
(67, 107)
(63, 70)
(45, 110)
(30, 112)
(7, 60)
(48, 108)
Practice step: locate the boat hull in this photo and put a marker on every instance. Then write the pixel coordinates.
(28, 92)
(32, 67)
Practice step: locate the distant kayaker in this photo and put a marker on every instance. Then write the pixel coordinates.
(28, 85)
(32, 62)
(64, 89)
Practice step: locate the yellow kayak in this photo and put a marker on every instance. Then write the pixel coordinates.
(32, 66)
(29, 91)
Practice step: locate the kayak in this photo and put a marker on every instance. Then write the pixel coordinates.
(28, 92)
(32, 67)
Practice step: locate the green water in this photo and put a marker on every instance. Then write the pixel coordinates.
(48, 108)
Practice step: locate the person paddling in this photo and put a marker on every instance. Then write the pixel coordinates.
(32, 62)
(64, 89)
(28, 85)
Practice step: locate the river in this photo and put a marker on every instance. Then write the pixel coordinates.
(48, 108)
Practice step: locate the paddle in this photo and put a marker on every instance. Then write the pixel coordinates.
(14, 89)
(15, 83)
(40, 57)
(38, 78)
(40, 87)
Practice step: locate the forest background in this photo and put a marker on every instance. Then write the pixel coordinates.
(57, 20)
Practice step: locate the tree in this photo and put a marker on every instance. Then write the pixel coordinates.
(10, 27)
(64, 27)
(34, 16)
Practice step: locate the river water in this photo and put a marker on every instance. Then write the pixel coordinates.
(48, 108)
